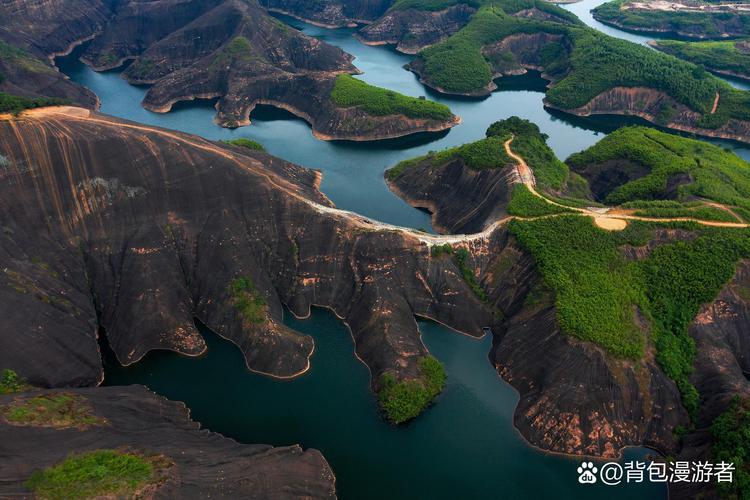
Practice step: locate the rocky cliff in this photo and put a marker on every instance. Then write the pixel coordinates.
(659, 108)
(202, 464)
(232, 50)
(461, 200)
(139, 230)
(33, 32)
(411, 30)
(331, 13)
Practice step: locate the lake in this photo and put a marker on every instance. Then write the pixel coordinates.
(465, 446)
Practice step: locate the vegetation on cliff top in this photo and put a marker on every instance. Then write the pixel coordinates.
(599, 293)
(98, 473)
(712, 173)
(248, 300)
(730, 443)
(687, 23)
(349, 91)
(490, 152)
(728, 56)
(404, 400)
(246, 143)
(58, 410)
(531, 145)
(15, 104)
(432, 5)
(583, 65)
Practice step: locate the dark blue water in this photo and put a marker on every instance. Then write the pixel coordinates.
(466, 445)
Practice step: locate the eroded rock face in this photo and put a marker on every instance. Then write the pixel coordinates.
(648, 104)
(574, 398)
(234, 51)
(412, 30)
(331, 13)
(35, 31)
(139, 230)
(462, 200)
(206, 464)
(722, 364)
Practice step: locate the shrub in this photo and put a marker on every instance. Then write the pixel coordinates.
(10, 382)
(248, 301)
(525, 204)
(246, 143)
(15, 104)
(404, 400)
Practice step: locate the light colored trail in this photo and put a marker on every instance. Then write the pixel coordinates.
(607, 218)
(525, 175)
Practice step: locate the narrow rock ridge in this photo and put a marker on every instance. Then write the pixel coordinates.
(412, 30)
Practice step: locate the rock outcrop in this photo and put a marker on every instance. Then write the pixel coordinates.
(461, 200)
(411, 30)
(331, 13)
(33, 32)
(650, 104)
(233, 51)
(205, 464)
(574, 397)
(139, 230)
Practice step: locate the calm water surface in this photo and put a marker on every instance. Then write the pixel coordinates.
(463, 447)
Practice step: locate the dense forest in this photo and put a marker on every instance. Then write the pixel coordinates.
(582, 65)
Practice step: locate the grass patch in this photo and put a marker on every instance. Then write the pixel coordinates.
(58, 410)
(525, 204)
(404, 400)
(246, 143)
(483, 154)
(597, 290)
(97, 473)
(248, 301)
(730, 442)
(349, 92)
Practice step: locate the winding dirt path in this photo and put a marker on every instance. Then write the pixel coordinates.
(610, 218)
(602, 217)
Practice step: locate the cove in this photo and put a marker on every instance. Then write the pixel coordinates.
(353, 172)
(465, 446)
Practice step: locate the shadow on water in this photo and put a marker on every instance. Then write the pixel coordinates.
(463, 447)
